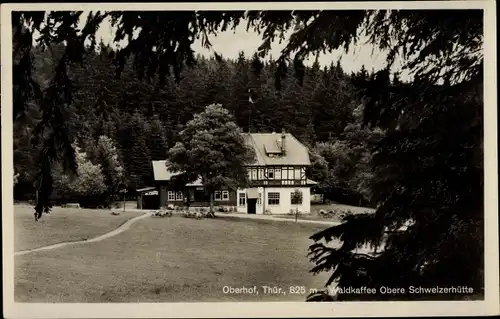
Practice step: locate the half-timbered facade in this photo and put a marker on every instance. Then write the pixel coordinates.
(277, 175)
(279, 170)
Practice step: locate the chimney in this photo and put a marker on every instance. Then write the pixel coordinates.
(283, 142)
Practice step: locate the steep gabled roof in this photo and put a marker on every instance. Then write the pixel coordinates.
(264, 143)
(162, 174)
(160, 171)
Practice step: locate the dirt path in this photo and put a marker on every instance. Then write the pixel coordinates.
(126, 225)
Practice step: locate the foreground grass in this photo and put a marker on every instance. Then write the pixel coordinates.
(314, 215)
(63, 224)
(174, 260)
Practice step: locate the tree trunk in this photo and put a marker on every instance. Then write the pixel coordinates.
(211, 213)
(188, 199)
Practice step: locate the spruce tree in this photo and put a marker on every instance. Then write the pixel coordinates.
(156, 142)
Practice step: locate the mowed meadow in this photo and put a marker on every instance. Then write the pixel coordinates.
(160, 259)
(63, 224)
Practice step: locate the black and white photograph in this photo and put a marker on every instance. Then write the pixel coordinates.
(219, 157)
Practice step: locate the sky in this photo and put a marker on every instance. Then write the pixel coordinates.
(230, 43)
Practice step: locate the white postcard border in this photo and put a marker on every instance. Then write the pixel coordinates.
(251, 309)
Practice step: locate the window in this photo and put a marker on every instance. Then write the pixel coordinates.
(254, 174)
(225, 195)
(171, 195)
(242, 199)
(179, 196)
(273, 198)
(277, 173)
(261, 174)
(288, 173)
(259, 200)
(296, 200)
(297, 173)
(217, 195)
(270, 173)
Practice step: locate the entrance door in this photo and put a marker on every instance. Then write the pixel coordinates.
(200, 196)
(151, 202)
(251, 205)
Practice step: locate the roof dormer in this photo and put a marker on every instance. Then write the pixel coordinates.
(276, 147)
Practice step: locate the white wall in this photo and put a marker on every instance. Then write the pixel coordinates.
(243, 209)
(285, 200)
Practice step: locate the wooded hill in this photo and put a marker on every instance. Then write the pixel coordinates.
(141, 118)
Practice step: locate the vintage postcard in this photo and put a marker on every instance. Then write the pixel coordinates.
(256, 159)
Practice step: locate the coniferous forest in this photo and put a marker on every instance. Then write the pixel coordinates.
(135, 121)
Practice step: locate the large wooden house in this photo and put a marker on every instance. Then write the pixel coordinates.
(279, 169)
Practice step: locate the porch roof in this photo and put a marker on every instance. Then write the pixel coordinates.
(145, 189)
(195, 183)
(311, 182)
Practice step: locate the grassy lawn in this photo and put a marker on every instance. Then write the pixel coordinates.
(63, 224)
(314, 215)
(173, 260)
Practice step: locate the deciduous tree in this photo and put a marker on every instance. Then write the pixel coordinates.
(106, 155)
(212, 147)
(87, 185)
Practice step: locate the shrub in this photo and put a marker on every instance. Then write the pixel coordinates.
(162, 213)
(199, 215)
(196, 214)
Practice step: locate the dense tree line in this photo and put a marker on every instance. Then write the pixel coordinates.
(142, 119)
